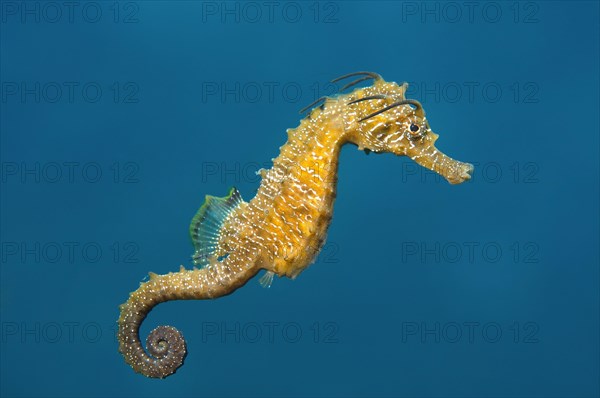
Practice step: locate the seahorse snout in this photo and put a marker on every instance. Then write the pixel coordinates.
(462, 173)
(454, 171)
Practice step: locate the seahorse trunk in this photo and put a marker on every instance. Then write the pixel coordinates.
(165, 344)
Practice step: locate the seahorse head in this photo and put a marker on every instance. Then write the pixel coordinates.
(379, 119)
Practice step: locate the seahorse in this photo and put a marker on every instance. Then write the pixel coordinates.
(282, 229)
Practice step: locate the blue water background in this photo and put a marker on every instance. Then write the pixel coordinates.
(389, 306)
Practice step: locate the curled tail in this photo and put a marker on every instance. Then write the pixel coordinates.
(165, 344)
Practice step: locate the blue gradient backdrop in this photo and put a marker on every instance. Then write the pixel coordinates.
(424, 289)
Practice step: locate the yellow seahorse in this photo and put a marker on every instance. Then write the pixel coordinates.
(282, 229)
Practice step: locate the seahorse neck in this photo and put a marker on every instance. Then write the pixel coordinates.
(312, 151)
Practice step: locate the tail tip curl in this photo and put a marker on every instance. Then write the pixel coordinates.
(167, 350)
(167, 345)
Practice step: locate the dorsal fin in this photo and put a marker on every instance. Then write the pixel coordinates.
(206, 224)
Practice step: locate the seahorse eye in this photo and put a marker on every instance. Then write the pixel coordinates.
(414, 128)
